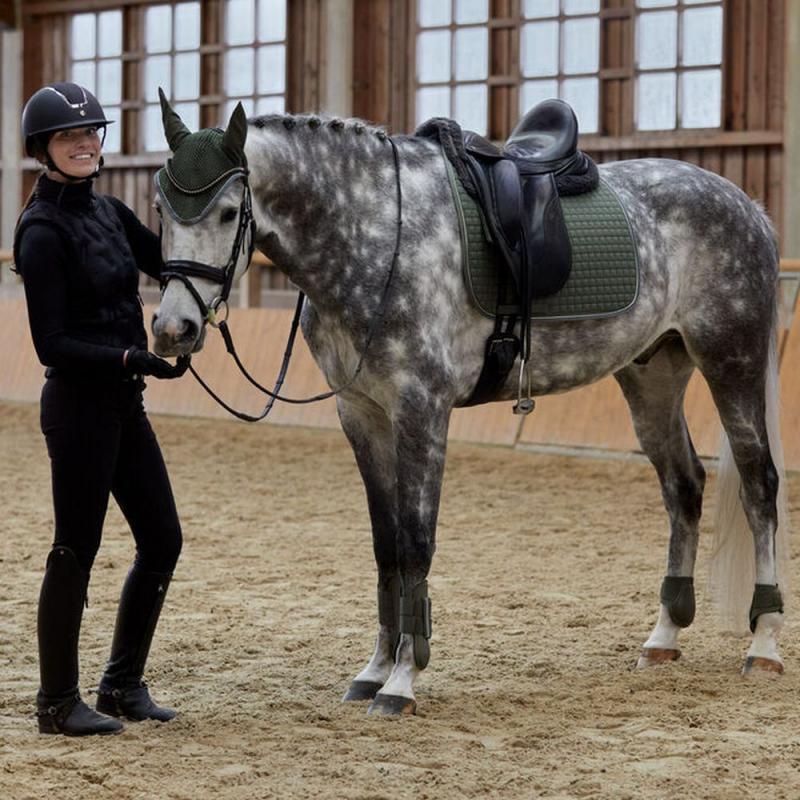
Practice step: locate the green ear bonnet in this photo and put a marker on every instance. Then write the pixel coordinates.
(202, 166)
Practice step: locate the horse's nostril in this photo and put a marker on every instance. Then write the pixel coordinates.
(190, 330)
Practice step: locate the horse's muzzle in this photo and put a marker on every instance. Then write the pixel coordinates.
(173, 336)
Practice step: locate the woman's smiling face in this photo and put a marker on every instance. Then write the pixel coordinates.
(75, 151)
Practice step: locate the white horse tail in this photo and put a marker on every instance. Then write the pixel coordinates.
(732, 566)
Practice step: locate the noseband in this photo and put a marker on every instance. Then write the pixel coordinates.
(184, 269)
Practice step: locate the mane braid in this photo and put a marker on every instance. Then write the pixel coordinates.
(315, 122)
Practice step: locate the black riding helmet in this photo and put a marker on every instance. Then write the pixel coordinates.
(59, 107)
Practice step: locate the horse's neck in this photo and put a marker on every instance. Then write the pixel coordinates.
(326, 197)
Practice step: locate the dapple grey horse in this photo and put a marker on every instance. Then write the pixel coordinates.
(325, 208)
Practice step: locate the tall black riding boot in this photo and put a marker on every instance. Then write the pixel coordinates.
(122, 692)
(59, 707)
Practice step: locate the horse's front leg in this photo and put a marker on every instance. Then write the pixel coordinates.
(420, 434)
(369, 432)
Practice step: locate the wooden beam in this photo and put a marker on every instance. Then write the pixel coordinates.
(42, 8)
(682, 139)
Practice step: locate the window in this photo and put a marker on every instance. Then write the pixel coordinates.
(678, 64)
(172, 62)
(255, 56)
(95, 49)
(560, 57)
(452, 62)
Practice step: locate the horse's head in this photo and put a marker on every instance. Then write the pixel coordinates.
(203, 200)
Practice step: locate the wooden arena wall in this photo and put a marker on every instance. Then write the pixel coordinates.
(588, 419)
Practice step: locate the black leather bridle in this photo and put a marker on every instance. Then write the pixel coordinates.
(183, 269)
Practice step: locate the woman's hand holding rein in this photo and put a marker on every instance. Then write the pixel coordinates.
(142, 362)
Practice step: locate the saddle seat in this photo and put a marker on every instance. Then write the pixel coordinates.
(544, 140)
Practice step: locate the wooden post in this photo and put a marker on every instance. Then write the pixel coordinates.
(791, 192)
(10, 137)
(337, 57)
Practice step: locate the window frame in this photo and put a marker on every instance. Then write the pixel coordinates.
(617, 72)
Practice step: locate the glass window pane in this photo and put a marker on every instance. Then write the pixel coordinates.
(187, 26)
(271, 69)
(271, 20)
(582, 95)
(433, 56)
(470, 107)
(433, 12)
(581, 6)
(535, 9)
(270, 105)
(109, 39)
(472, 11)
(190, 114)
(239, 71)
(581, 45)
(657, 40)
(540, 49)
(109, 81)
(656, 102)
(702, 36)
(154, 129)
(82, 36)
(240, 20)
(701, 99)
(655, 3)
(472, 54)
(83, 75)
(247, 105)
(187, 76)
(533, 92)
(157, 74)
(158, 29)
(113, 132)
(433, 101)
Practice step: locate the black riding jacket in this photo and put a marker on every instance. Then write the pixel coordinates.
(79, 254)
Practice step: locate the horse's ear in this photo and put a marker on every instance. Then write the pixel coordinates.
(174, 129)
(236, 132)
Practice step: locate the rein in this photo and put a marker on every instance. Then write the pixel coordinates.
(182, 269)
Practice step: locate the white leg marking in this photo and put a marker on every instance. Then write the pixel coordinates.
(382, 662)
(401, 681)
(765, 639)
(665, 633)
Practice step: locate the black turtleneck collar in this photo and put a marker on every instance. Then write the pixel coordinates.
(68, 195)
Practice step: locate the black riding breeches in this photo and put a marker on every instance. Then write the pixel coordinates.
(100, 441)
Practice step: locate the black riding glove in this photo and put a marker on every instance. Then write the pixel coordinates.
(143, 363)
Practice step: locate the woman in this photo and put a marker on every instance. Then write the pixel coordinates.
(78, 254)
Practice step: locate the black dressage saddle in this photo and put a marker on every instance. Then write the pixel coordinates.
(519, 196)
(517, 188)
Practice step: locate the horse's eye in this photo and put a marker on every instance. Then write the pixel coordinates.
(229, 215)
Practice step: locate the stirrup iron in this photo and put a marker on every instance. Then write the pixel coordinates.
(524, 405)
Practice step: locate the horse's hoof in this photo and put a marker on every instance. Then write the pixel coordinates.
(653, 656)
(361, 690)
(759, 664)
(392, 705)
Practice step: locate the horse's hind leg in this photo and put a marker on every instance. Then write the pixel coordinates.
(370, 434)
(744, 387)
(654, 391)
